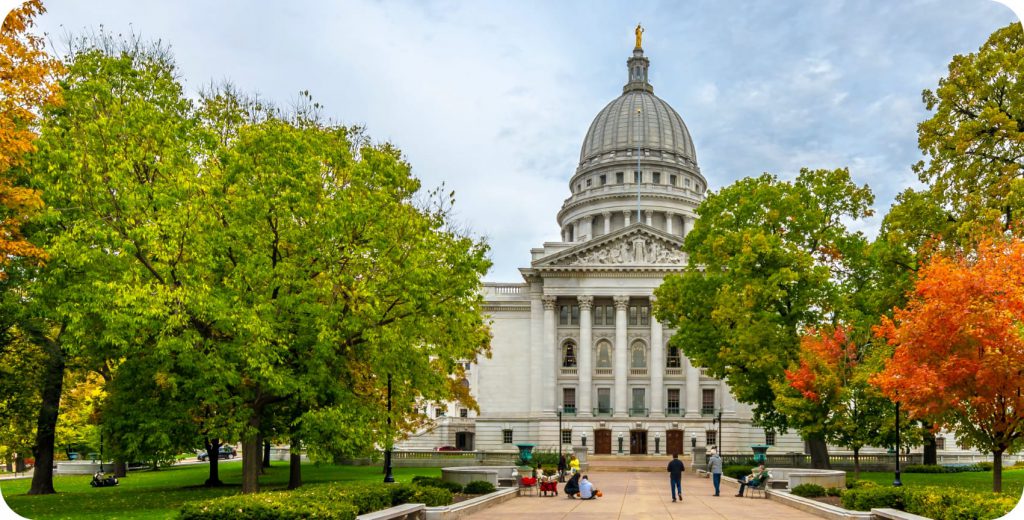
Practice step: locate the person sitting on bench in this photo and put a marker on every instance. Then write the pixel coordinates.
(752, 480)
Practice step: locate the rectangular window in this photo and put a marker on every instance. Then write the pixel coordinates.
(656, 178)
(574, 316)
(672, 180)
(618, 177)
(463, 412)
(609, 315)
(563, 315)
(769, 438)
(569, 400)
(639, 401)
(673, 401)
(438, 412)
(599, 315)
(687, 183)
(588, 183)
(673, 360)
(711, 438)
(604, 400)
(645, 318)
(636, 177)
(940, 443)
(708, 401)
(567, 437)
(506, 436)
(604, 180)
(633, 320)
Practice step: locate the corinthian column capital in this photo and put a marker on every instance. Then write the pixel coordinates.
(586, 302)
(549, 302)
(621, 302)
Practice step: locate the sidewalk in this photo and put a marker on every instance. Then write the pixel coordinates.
(644, 496)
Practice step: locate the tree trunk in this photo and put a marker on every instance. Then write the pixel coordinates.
(266, 454)
(8, 465)
(259, 442)
(931, 449)
(120, 468)
(856, 463)
(46, 427)
(251, 457)
(294, 465)
(19, 464)
(997, 471)
(819, 453)
(213, 456)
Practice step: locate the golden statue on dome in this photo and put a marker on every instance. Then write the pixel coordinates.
(639, 35)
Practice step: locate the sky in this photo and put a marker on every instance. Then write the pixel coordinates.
(493, 99)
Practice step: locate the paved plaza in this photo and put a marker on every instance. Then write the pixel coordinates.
(635, 495)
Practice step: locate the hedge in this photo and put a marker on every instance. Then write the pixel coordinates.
(454, 487)
(736, 472)
(479, 487)
(953, 468)
(808, 490)
(936, 503)
(321, 502)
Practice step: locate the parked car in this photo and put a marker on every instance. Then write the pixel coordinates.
(225, 452)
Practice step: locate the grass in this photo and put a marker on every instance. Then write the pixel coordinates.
(978, 481)
(159, 494)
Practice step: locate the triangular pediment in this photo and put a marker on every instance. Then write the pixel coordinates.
(636, 246)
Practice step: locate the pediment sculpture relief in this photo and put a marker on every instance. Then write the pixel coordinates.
(629, 251)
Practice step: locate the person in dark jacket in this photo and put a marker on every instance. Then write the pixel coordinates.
(561, 467)
(573, 486)
(675, 474)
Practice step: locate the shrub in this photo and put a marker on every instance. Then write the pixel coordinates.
(479, 487)
(850, 484)
(548, 458)
(868, 497)
(986, 465)
(924, 468)
(429, 495)
(278, 505)
(952, 504)
(453, 487)
(833, 492)
(808, 490)
(736, 471)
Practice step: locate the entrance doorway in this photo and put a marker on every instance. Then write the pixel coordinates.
(464, 441)
(674, 442)
(638, 442)
(603, 442)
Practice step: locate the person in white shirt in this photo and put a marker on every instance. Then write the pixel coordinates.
(586, 489)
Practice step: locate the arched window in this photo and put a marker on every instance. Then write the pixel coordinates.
(638, 355)
(604, 355)
(569, 354)
(673, 360)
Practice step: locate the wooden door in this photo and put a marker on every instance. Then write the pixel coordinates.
(674, 442)
(638, 442)
(603, 442)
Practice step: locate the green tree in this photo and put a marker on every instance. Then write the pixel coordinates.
(766, 259)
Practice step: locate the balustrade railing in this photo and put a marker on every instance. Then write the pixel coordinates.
(569, 371)
(638, 371)
(602, 371)
(602, 412)
(674, 411)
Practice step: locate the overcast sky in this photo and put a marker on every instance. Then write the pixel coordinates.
(494, 98)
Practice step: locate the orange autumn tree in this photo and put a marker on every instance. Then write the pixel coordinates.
(26, 82)
(959, 348)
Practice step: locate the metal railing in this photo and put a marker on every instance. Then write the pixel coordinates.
(706, 411)
(568, 410)
(638, 412)
(602, 412)
(674, 411)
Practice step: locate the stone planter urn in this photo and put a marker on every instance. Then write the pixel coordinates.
(760, 451)
(525, 453)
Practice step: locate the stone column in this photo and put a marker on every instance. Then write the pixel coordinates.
(550, 357)
(649, 214)
(536, 345)
(657, 366)
(625, 216)
(586, 374)
(669, 217)
(607, 222)
(692, 388)
(621, 361)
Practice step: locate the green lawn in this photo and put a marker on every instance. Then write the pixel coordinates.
(1013, 480)
(159, 494)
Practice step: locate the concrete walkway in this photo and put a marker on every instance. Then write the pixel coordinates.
(644, 496)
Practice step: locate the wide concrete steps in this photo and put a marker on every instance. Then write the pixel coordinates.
(629, 463)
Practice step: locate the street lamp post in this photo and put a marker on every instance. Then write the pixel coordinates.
(897, 482)
(388, 477)
(560, 408)
(718, 436)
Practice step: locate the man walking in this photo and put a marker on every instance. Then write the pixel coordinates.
(675, 473)
(715, 467)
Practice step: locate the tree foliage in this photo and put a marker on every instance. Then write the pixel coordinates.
(26, 84)
(765, 258)
(959, 347)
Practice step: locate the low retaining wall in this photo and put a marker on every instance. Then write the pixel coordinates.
(826, 478)
(475, 505)
(81, 468)
(465, 475)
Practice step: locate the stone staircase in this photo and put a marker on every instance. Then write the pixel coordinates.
(630, 463)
